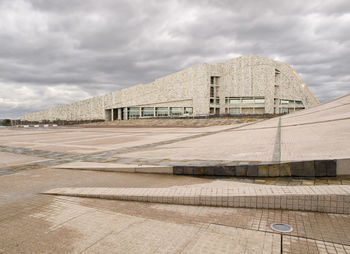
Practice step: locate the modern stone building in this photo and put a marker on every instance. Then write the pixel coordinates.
(244, 85)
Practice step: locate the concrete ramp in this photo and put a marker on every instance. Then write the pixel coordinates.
(113, 167)
(332, 199)
(320, 133)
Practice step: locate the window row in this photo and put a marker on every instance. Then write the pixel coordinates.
(288, 102)
(245, 100)
(244, 111)
(137, 112)
(283, 110)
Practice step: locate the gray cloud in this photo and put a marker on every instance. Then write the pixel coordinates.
(55, 52)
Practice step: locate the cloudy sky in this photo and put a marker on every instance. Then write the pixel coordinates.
(54, 52)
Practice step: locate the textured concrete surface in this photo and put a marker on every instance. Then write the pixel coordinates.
(114, 167)
(238, 77)
(321, 132)
(10, 159)
(91, 140)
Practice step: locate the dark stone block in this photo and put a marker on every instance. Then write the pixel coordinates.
(296, 168)
(231, 170)
(252, 170)
(303, 168)
(241, 170)
(208, 171)
(331, 168)
(224, 170)
(198, 170)
(309, 168)
(320, 168)
(178, 170)
(188, 170)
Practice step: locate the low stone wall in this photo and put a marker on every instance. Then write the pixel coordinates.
(316, 168)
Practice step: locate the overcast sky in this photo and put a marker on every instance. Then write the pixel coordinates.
(54, 52)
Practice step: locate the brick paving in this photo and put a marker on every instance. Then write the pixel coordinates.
(327, 198)
(71, 225)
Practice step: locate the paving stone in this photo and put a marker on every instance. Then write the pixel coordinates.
(308, 182)
(260, 181)
(327, 198)
(345, 182)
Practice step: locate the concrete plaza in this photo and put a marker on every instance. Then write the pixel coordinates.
(164, 213)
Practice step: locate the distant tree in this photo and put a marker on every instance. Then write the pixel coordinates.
(6, 122)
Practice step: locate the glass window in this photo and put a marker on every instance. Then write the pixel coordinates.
(235, 101)
(134, 113)
(284, 110)
(162, 111)
(176, 111)
(211, 91)
(259, 101)
(217, 101)
(299, 102)
(248, 101)
(284, 102)
(212, 79)
(246, 111)
(148, 111)
(188, 110)
(234, 111)
(211, 101)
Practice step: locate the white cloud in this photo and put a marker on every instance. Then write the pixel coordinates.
(55, 52)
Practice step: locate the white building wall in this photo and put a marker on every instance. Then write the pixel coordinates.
(239, 77)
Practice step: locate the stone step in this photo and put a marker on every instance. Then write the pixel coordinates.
(330, 199)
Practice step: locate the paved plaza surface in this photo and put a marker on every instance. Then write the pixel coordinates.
(182, 214)
(35, 223)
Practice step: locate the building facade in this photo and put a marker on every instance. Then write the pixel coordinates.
(244, 85)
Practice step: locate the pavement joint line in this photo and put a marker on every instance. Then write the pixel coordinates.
(322, 110)
(66, 157)
(276, 157)
(278, 233)
(195, 236)
(100, 239)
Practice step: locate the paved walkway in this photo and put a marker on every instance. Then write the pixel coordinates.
(315, 134)
(334, 199)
